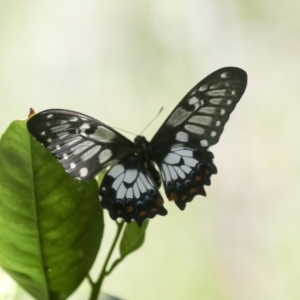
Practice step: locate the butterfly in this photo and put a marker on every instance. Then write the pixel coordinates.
(177, 155)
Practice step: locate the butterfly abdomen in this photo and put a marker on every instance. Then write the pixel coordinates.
(144, 151)
(154, 173)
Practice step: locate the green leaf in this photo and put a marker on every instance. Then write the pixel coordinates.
(101, 175)
(51, 225)
(133, 238)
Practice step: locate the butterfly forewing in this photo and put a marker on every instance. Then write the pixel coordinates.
(199, 118)
(83, 145)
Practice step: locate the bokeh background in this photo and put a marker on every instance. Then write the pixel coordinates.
(120, 62)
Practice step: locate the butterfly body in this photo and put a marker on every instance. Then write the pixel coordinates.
(177, 155)
(144, 150)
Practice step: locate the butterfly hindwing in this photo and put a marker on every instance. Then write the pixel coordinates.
(185, 172)
(83, 145)
(128, 191)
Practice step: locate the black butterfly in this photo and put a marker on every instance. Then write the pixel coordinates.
(129, 190)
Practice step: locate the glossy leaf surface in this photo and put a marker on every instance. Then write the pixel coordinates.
(51, 225)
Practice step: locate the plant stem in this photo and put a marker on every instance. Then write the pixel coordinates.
(96, 287)
(89, 278)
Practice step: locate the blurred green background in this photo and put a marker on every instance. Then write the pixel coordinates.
(120, 61)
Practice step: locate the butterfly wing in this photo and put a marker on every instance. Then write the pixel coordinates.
(128, 191)
(200, 116)
(197, 122)
(83, 145)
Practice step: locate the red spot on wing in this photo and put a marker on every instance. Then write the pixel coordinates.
(173, 196)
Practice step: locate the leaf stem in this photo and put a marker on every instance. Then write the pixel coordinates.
(96, 286)
(89, 278)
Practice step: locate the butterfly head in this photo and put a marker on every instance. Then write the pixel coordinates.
(141, 140)
(143, 147)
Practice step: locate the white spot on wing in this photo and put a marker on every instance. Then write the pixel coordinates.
(213, 133)
(130, 175)
(191, 162)
(121, 191)
(182, 136)
(218, 123)
(74, 141)
(184, 152)
(90, 153)
(136, 191)
(194, 129)
(216, 93)
(179, 172)
(201, 120)
(203, 88)
(145, 181)
(172, 172)
(224, 75)
(186, 169)
(73, 119)
(178, 116)
(49, 116)
(141, 185)
(215, 101)
(85, 126)
(193, 100)
(208, 110)
(204, 143)
(177, 146)
(116, 171)
(72, 165)
(62, 135)
(166, 172)
(65, 156)
(172, 158)
(81, 147)
(105, 155)
(83, 172)
(59, 128)
(117, 182)
(103, 135)
(217, 85)
(129, 194)
(222, 111)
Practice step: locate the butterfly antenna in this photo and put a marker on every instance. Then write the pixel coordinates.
(124, 130)
(152, 120)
